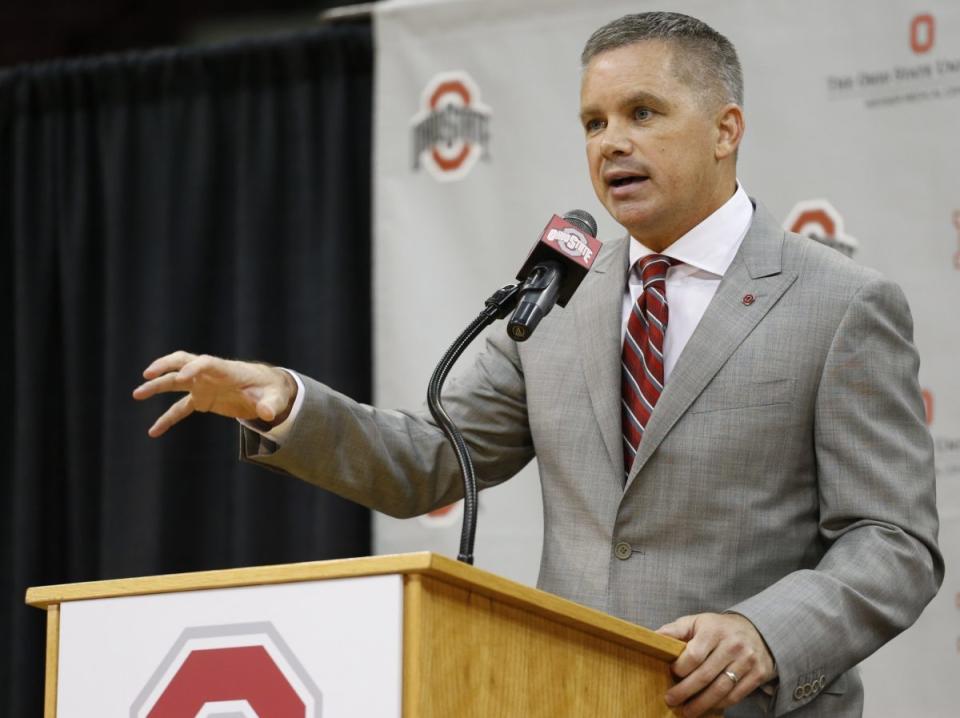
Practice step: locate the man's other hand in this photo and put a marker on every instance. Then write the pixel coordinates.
(236, 389)
(716, 644)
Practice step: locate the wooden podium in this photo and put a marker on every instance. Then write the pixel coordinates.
(468, 643)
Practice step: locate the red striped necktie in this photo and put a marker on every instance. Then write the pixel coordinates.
(642, 358)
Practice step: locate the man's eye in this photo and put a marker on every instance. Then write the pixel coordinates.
(593, 125)
(642, 113)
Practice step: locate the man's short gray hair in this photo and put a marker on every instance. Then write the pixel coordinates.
(705, 59)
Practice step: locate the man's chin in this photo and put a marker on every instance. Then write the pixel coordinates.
(637, 221)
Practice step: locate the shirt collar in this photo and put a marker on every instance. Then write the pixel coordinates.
(712, 244)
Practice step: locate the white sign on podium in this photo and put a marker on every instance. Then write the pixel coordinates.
(317, 648)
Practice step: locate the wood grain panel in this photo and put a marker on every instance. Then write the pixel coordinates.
(482, 657)
(414, 682)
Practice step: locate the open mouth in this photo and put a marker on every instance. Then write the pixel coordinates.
(627, 181)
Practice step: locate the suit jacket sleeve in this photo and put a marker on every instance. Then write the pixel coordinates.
(400, 462)
(878, 520)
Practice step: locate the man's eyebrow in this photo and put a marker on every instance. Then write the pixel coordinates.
(638, 98)
(645, 98)
(588, 111)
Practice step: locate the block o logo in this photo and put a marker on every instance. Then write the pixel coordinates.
(928, 405)
(232, 671)
(443, 517)
(922, 33)
(452, 130)
(819, 220)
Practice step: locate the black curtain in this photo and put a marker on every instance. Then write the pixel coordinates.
(215, 200)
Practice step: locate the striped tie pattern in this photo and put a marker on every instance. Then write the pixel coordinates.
(642, 358)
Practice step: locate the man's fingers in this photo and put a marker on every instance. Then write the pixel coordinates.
(716, 693)
(177, 412)
(681, 629)
(242, 390)
(210, 367)
(181, 369)
(160, 385)
(749, 681)
(702, 638)
(168, 363)
(723, 692)
(717, 644)
(701, 664)
(270, 406)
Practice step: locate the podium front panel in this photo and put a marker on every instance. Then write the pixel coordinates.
(331, 648)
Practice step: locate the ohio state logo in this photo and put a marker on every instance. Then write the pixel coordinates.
(927, 405)
(231, 671)
(443, 517)
(571, 242)
(452, 130)
(819, 220)
(922, 33)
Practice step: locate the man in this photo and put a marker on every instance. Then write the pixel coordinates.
(726, 417)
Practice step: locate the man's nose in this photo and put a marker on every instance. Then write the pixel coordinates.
(615, 141)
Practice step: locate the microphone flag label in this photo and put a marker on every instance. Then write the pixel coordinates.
(565, 238)
(564, 242)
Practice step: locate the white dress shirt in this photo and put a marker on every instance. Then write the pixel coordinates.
(706, 252)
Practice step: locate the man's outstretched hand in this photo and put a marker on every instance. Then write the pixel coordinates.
(717, 643)
(236, 389)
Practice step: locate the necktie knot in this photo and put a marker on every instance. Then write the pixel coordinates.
(654, 267)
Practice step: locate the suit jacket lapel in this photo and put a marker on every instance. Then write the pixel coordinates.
(597, 310)
(756, 270)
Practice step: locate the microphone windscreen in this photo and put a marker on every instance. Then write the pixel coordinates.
(583, 220)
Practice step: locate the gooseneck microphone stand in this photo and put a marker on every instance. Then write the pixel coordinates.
(498, 306)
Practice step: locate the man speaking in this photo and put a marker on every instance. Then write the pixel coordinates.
(726, 417)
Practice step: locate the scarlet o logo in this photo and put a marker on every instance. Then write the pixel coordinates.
(437, 513)
(820, 220)
(243, 678)
(443, 517)
(812, 220)
(928, 405)
(237, 670)
(452, 93)
(922, 33)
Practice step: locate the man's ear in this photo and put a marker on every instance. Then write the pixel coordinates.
(730, 128)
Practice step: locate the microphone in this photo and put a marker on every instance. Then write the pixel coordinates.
(554, 269)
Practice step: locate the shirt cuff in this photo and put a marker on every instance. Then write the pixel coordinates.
(278, 433)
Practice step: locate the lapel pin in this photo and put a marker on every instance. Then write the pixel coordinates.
(748, 299)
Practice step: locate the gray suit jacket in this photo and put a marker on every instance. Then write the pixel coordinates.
(786, 473)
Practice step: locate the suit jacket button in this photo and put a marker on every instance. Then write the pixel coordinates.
(622, 550)
(798, 693)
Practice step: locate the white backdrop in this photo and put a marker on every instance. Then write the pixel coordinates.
(852, 134)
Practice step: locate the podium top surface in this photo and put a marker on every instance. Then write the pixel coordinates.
(423, 563)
